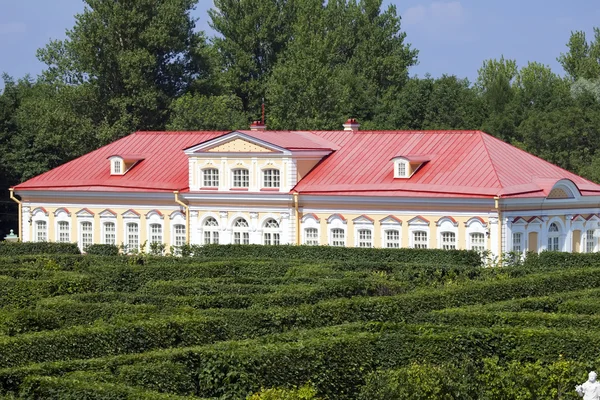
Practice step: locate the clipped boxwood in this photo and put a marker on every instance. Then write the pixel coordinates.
(25, 248)
(103, 250)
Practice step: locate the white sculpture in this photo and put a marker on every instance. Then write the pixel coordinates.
(589, 390)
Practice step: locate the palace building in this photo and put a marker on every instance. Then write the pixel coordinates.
(420, 189)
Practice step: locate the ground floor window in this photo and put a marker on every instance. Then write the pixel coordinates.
(517, 242)
(240, 232)
(420, 240)
(477, 241)
(590, 241)
(338, 237)
(133, 237)
(311, 236)
(63, 232)
(392, 238)
(156, 235)
(448, 240)
(365, 238)
(41, 231)
(86, 235)
(110, 233)
(179, 234)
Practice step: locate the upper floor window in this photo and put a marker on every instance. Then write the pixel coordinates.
(210, 177)
(117, 167)
(241, 178)
(271, 178)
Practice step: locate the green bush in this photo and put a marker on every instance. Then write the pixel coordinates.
(103, 250)
(305, 392)
(27, 248)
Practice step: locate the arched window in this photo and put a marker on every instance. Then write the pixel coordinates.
(365, 238)
(41, 231)
(86, 235)
(420, 240)
(241, 178)
(311, 236)
(63, 232)
(211, 231)
(271, 235)
(271, 178)
(241, 234)
(179, 234)
(338, 237)
(210, 177)
(156, 234)
(553, 237)
(110, 232)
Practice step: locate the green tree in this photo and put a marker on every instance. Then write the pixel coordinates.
(253, 34)
(137, 55)
(198, 112)
(345, 57)
(583, 58)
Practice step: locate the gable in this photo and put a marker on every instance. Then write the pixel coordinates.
(239, 146)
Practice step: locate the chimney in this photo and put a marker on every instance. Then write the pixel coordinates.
(257, 126)
(351, 125)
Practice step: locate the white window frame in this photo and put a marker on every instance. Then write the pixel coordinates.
(591, 224)
(311, 221)
(558, 238)
(82, 233)
(364, 237)
(418, 224)
(244, 232)
(39, 214)
(129, 222)
(271, 235)
(62, 216)
(389, 224)
(154, 217)
(401, 168)
(36, 230)
(239, 184)
(364, 223)
(274, 178)
(177, 218)
(336, 221)
(117, 166)
(214, 235)
(209, 179)
(112, 221)
(475, 226)
(447, 225)
(417, 245)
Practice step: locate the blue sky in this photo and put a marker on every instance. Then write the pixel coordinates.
(453, 36)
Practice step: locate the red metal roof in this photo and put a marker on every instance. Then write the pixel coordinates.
(461, 164)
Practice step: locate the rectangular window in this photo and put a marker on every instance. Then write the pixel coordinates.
(590, 241)
(117, 166)
(86, 235)
(179, 235)
(271, 238)
(553, 243)
(365, 238)
(110, 233)
(338, 237)
(401, 169)
(477, 241)
(392, 238)
(210, 177)
(133, 238)
(211, 237)
(448, 241)
(517, 242)
(41, 229)
(420, 240)
(63, 232)
(311, 236)
(241, 178)
(241, 238)
(271, 178)
(156, 233)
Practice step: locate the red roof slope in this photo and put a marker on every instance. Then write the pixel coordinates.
(460, 164)
(164, 168)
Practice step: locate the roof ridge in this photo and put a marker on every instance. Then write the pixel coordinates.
(487, 151)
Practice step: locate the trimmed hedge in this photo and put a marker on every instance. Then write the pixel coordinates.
(27, 248)
(103, 250)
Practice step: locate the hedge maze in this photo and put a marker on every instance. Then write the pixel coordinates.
(256, 322)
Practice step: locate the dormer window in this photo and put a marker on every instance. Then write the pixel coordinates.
(119, 165)
(210, 177)
(406, 166)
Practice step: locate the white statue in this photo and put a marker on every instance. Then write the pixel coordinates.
(589, 390)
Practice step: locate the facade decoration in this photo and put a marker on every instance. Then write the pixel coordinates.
(394, 189)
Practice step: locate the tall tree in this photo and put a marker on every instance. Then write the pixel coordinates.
(344, 58)
(138, 55)
(253, 34)
(582, 61)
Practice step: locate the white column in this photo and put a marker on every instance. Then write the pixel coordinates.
(284, 227)
(225, 235)
(194, 228)
(25, 232)
(494, 236)
(543, 234)
(254, 231)
(568, 246)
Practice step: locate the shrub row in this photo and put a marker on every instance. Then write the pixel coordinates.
(25, 248)
(102, 250)
(491, 380)
(335, 360)
(327, 253)
(22, 292)
(103, 340)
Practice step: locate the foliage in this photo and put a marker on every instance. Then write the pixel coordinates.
(305, 392)
(24, 248)
(102, 249)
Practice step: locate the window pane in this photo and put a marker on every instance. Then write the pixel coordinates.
(210, 177)
(311, 236)
(271, 178)
(155, 233)
(365, 238)
(448, 240)
(338, 237)
(392, 238)
(420, 239)
(241, 178)
(41, 231)
(63, 231)
(110, 233)
(86, 235)
(179, 235)
(590, 241)
(477, 241)
(517, 242)
(133, 239)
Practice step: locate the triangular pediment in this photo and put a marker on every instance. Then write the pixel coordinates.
(363, 219)
(108, 213)
(235, 142)
(418, 220)
(130, 214)
(84, 212)
(390, 220)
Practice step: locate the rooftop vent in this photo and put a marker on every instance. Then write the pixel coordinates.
(351, 125)
(257, 126)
